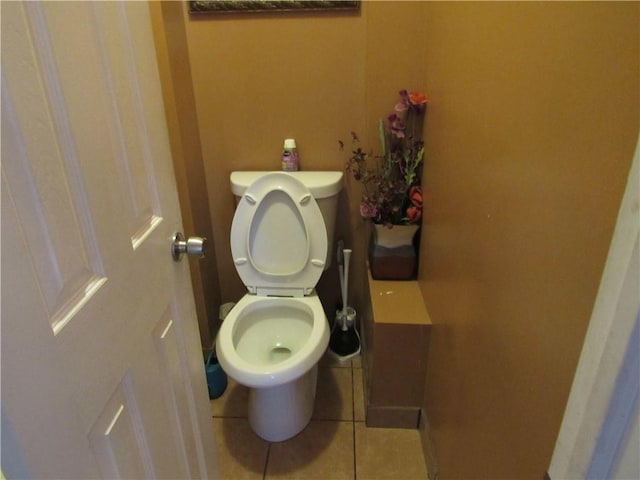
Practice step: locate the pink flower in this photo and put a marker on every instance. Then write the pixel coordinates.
(396, 125)
(392, 195)
(368, 210)
(414, 214)
(401, 107)
(417, 98)
(415, 195)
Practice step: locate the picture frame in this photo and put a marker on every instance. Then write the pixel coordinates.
(203, 7)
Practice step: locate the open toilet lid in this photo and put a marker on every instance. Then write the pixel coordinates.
(278, 237)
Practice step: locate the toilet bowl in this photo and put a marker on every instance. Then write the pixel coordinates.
(276, 345)
(272, 339)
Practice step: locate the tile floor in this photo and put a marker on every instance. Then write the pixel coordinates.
(336, 444)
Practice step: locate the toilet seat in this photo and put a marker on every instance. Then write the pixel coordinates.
(254, 309)
(278, 237)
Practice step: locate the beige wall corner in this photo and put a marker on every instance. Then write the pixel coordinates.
(184, 134)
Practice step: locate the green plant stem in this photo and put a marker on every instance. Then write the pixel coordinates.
(383, 138)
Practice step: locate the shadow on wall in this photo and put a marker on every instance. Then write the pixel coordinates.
(328, 287)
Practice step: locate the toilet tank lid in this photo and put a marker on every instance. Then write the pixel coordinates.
(320, 184)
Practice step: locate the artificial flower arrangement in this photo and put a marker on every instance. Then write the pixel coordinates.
(392, 192)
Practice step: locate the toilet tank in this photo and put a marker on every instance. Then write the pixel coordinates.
(324, 186)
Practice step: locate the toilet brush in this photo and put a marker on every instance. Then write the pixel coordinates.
(344, 341)
(340, 258)
(346, 253)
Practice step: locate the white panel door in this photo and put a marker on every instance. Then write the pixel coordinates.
(102, 369)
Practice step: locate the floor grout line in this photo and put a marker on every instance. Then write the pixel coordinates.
(266, 462)
(351, 420)
(359, 435)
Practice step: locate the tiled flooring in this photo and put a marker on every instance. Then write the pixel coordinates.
(336, 445)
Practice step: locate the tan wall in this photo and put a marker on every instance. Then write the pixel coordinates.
(315, 77)
(259, 79)
(182, 121)
(530, 138)
(530, 134)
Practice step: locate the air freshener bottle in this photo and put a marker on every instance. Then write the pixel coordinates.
(290, 161)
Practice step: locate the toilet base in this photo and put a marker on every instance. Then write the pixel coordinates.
(279, 413)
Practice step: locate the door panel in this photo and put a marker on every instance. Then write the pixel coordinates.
(102, 371)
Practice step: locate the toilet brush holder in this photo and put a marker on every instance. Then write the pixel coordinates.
(344, 343)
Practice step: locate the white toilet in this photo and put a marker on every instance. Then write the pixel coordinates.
(273, 338)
